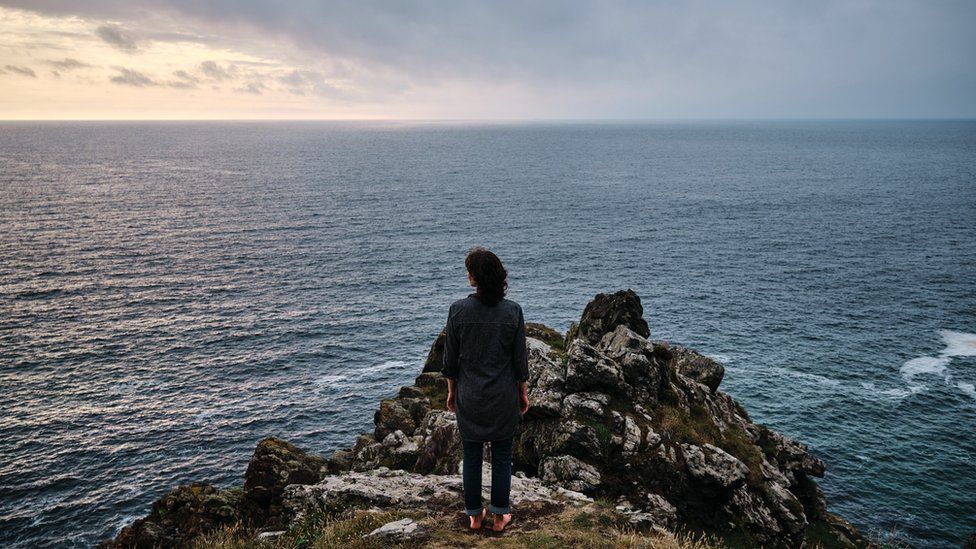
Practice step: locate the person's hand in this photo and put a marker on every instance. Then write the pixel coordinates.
(523, 401)
(451, 406)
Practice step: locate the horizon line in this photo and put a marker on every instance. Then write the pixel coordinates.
(514, 120)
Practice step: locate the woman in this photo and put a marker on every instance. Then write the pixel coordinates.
(486, 367)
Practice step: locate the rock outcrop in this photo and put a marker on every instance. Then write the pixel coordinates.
(181, 515)
(613, 415)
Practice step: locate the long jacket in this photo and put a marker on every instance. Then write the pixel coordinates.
(484, 350)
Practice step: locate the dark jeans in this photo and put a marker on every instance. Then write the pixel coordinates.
(501, 476)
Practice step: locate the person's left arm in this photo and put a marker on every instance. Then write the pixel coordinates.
(450, 366)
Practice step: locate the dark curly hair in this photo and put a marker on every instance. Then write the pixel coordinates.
(489, 275)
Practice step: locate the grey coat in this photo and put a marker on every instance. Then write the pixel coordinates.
(484, 350)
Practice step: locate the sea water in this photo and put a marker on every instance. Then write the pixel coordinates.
(172, 292)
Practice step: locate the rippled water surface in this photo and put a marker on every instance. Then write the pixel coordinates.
(172, 292)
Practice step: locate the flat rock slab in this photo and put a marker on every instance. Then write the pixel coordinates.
(398, 530)
(384, 487)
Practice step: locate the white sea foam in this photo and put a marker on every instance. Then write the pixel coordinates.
(957, 344)
(330, 379)
(967, 388)
(924, 365)
(384, 366)
(901, 393)
(897, 393)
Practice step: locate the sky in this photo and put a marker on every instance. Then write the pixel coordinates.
(487, 60)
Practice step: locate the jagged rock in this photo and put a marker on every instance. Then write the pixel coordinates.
(435, 357)
(546, 382)
(612, 414)
(651, 438)
(575, 438)
(632, 435)
(274, 465)
(637, 359)
(398, 531)
(622, 340)
(607, 311)
(661, 509)
(402, 448)
(181, 515)
(657, 512)
(585, 404)
(713, 464)
(588, 369)
(394, 415)
(698, 367)
(788, 453)
(571, 473)
(440, 451)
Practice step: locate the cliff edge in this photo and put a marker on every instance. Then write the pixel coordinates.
(620, 426)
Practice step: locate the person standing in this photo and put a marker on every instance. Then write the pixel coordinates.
(486, 366)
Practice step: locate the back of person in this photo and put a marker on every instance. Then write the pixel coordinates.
(486, 366)
(486, 337)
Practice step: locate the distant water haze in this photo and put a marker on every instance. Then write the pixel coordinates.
(172, 292)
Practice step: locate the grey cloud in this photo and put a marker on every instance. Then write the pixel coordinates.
(181, 84)
(186, 77)
(23, 71)
(129, 77)
(300, 82)
(629, 58)
(155, 36)
(117, 37)
(213, 70)
(67, 64)
(256, 88)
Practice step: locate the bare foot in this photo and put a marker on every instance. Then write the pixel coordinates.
(476, 519)
(500, 522)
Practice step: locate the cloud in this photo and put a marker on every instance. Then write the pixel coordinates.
(23, 71)
(213, 70)
(304, 82)
(117, 37)
(67, 64)
(256, 88)
(613, 58)
(186, 77)
(129, 77)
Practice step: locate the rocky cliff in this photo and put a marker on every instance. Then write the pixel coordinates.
(614, 415)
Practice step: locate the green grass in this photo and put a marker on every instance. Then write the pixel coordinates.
(698, 428)
(545, 334)
(594, 526)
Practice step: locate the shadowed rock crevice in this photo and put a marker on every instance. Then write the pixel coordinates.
(614, 415)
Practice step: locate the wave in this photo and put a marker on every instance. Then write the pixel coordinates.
(934, 365)
(957, 344)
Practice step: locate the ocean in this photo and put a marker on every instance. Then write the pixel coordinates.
(171, 292)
